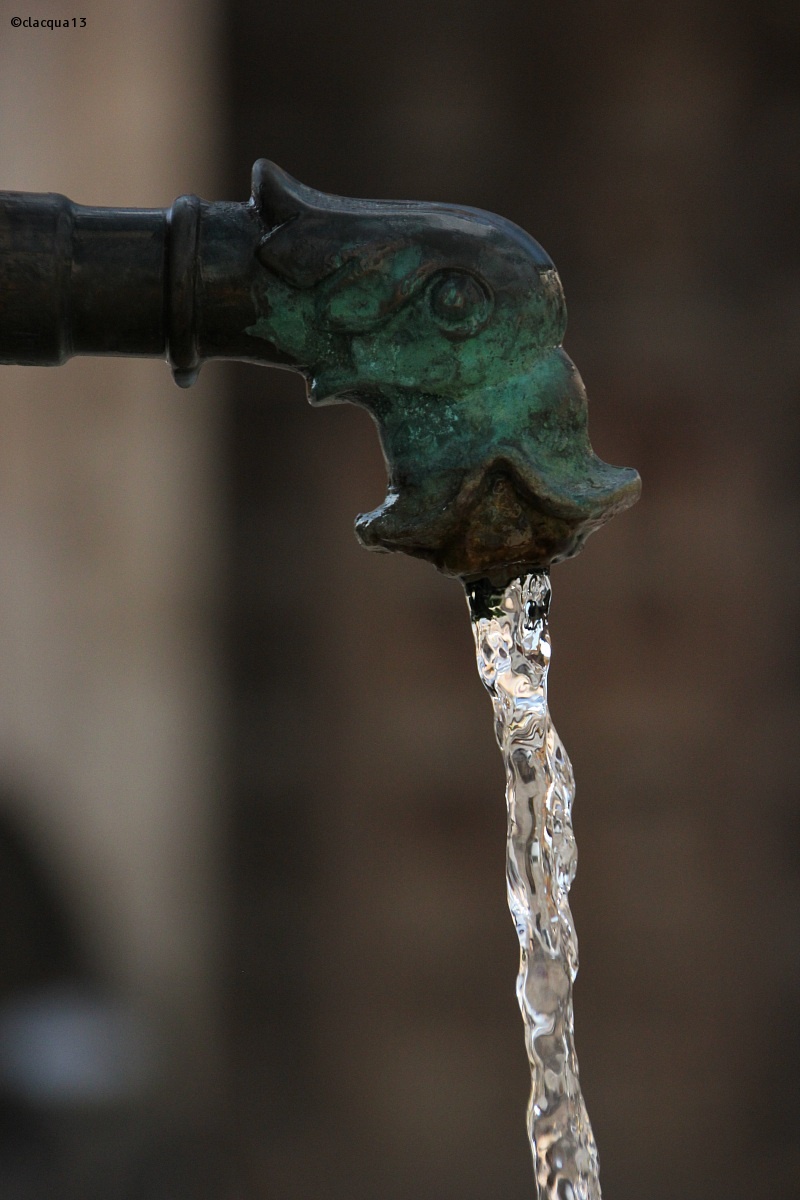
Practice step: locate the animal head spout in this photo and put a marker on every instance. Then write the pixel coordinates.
(446, 324)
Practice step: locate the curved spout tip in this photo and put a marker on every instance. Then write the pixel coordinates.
(509, 479)
(496, 526)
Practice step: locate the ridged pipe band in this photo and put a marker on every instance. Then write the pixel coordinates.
(184, 229)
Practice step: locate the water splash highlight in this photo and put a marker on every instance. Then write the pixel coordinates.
(512, 643)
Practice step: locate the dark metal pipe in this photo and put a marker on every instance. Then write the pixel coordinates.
(77, 280)
(125, 281)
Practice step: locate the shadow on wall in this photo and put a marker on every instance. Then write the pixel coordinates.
(81, 1068)
(371, 962)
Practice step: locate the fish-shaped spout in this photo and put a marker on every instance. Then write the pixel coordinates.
(446, 324)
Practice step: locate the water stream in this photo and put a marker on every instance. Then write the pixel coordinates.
(513, 650)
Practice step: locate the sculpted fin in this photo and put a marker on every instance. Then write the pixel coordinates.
(277, 196)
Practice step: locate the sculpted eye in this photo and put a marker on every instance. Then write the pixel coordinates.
(459, 302)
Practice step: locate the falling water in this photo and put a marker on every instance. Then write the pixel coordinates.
(513, 649)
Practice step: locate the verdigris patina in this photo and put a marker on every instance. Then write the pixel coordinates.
(445, 322)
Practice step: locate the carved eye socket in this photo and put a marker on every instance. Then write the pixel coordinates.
(459, 302)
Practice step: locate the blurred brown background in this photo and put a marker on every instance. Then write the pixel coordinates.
(251, 811)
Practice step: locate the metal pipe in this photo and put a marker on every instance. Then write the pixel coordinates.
(445, 322)
(147, 282)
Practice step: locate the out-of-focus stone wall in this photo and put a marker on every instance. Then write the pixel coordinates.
(109, 535)
(281, 834)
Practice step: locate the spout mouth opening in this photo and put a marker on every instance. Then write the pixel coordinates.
(501, 521)
(498, 578)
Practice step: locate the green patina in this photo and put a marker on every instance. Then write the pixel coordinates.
(446, 324)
